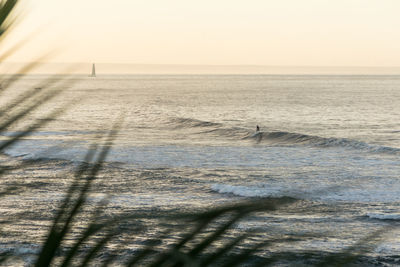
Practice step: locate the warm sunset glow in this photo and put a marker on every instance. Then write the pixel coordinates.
(223, 32)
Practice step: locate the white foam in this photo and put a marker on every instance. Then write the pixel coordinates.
(304, 190)
(245, 191)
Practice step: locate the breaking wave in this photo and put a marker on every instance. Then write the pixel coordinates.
(218, 130)
(287, 138)
(245, 191)
(324, 193)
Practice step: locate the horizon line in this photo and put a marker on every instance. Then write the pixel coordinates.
(201, 65)
(146, 68)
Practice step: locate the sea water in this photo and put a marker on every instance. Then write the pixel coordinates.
(189, 142)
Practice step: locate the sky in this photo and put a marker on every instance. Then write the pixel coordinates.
(211, 32)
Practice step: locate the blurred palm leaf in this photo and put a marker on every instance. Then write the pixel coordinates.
(22, 105)
(71, 207)
(6, 7)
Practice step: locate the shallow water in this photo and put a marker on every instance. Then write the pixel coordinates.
(332, 142)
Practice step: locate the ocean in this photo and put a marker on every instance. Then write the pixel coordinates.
(189, 142)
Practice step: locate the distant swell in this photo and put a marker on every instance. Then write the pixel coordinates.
(235, 132)
(187, 123)
(380, 216)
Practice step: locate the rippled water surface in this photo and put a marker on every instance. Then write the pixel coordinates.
(331, 142)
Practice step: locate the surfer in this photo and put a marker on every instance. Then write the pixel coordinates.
(258, 134)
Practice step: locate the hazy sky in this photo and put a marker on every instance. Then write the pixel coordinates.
(260, 32)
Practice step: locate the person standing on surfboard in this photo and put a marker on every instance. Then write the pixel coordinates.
(257, 128)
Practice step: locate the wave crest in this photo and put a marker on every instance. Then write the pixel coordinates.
(188, 122)
(385, 216)
(250, 191)
(287, 138)
(218, 130)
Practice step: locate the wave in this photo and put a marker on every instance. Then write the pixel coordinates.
(318, 193)
(209, 128)
(255, 191)
(243, 191)
(287, 138)
(386, 216)
(219, 130)
(188, 123)
(235, 132)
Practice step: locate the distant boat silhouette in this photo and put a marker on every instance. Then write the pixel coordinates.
(93, 71)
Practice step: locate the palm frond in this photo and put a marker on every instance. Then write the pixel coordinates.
(6, 7)
(348, 256)
(64, 220)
